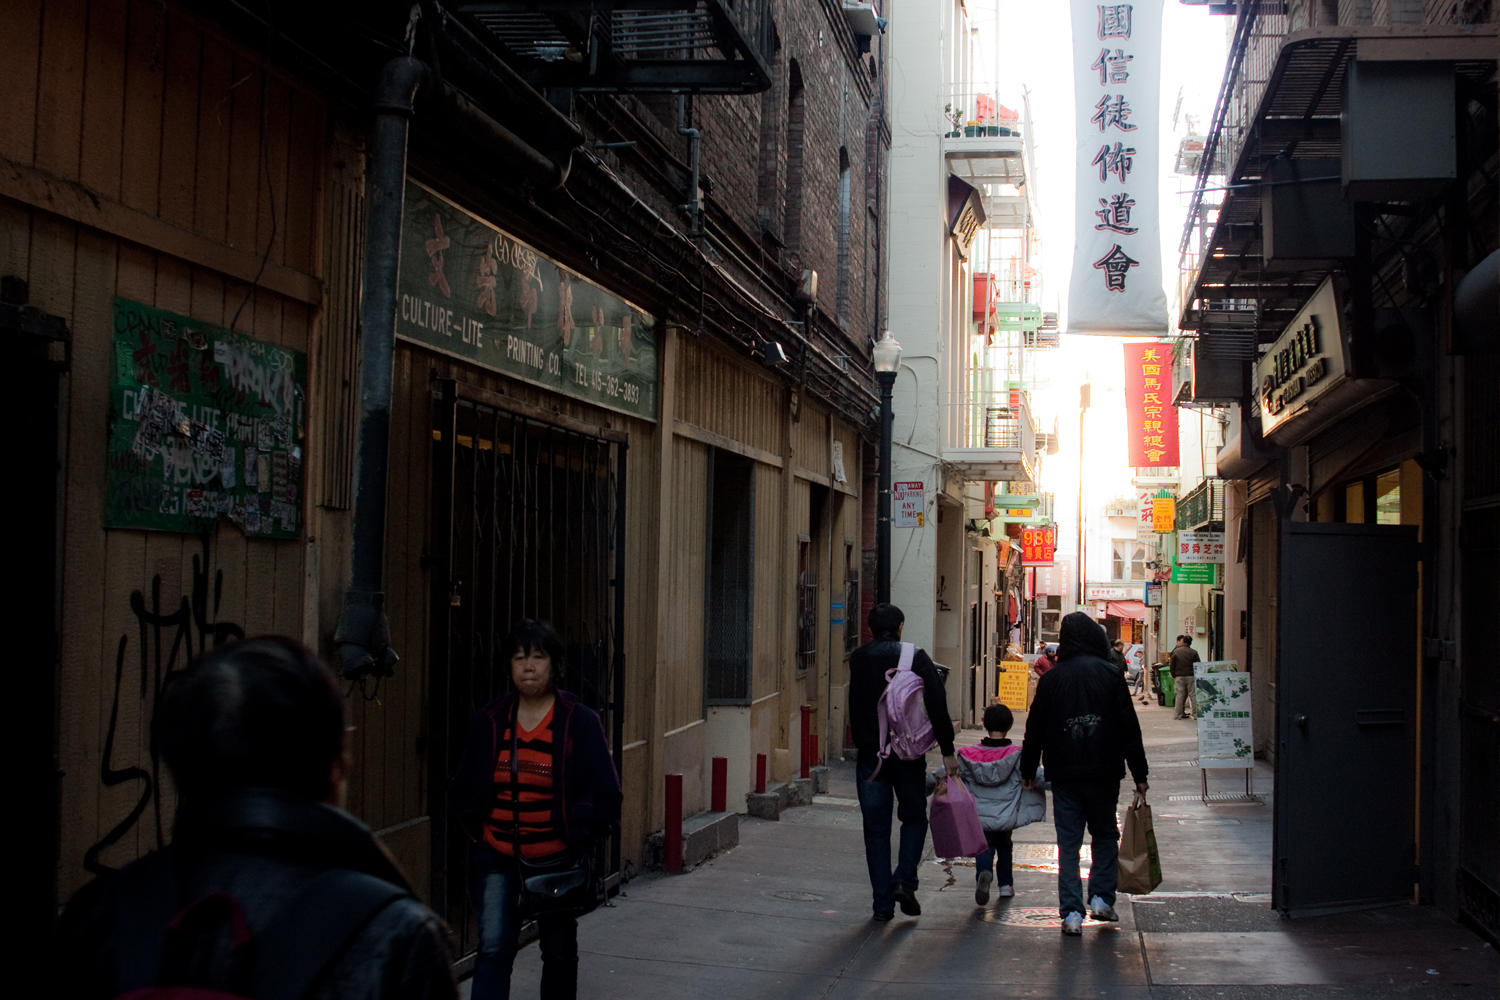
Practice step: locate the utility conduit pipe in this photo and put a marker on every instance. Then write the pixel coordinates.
(406, 87)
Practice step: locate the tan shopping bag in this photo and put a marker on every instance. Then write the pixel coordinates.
(1140, 862)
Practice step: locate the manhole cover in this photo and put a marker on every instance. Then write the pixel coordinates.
(1025, 916)
(800, 897)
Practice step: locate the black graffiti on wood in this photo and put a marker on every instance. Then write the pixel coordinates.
(166, 642)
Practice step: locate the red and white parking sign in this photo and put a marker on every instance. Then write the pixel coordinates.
(908, 504)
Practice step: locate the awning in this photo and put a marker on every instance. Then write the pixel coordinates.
(1127, 609)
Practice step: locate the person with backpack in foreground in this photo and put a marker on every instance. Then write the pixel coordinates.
(1082, 727)
(897, 711)
(269, 889)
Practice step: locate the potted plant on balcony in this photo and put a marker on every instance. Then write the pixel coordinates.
(972, 128)
(955, 116)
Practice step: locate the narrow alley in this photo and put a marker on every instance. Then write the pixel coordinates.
(786, 914)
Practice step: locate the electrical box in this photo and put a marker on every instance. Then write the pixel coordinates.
(1399, 130)
(1304, 217)
(1220, 371)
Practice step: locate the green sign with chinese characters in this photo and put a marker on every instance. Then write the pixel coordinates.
(469, 290)
(1205, 573)
(203, 423)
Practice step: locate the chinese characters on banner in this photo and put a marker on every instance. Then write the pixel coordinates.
(1200, 546)
(1116, 285)
(1150, 417)
(1163, 513)
(1039, 546)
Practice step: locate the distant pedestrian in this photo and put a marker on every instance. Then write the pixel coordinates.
(902, 782)
(1183, 658)
(268, 888)
(1044, 661)
(1082, 727)
(1117, 657)
(993, 775)
(536, 779)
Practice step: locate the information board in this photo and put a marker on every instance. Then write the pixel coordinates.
(908, 504)
(1013, 687)
(469, 290)
(1226, 737)
(204, 423)
(1200, 547)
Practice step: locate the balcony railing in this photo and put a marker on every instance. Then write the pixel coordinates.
(633, 46)
(1203, 507)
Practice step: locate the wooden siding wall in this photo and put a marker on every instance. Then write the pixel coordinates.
(810, 441)
(683, 698)
(139, 107)
(769, 650)
(724, 394)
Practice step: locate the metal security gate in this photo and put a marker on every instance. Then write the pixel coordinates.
(528, 521)
(1345, 716)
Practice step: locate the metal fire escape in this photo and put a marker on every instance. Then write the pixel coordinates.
(631, 46)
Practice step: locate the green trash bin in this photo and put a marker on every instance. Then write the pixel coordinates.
(1168, 695)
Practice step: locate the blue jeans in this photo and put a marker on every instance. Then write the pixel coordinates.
(1076, 804)
(903, 782)
(998, 857)
(496, 888)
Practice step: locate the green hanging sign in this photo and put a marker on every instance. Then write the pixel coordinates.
(471, 291)
(203, 423)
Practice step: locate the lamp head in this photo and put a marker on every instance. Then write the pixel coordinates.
(887, 354)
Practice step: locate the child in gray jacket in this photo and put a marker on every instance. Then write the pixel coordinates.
(992, 773)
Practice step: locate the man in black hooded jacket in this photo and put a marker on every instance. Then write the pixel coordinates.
(1082, 728)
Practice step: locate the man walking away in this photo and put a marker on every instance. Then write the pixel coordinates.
(1117, 657)
(1183, 658)
(1082, 728)
(269, 889)
(882, 781)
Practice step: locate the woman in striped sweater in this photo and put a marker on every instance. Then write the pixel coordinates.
(562, 795)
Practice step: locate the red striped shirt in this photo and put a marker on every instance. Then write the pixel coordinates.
(538, 837)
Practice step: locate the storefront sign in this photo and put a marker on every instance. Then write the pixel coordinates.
(469, 290)
(204, 423)
(1200, 546)
(1150, 417)
(1039, 546)
(908, 504)
(1222, 698)
(1112, 591)
(1204, 573)
(1117, 281)
(1012, 684)
(1304, 364)
(1163, 513)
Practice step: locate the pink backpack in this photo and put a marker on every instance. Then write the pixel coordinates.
(904, 726)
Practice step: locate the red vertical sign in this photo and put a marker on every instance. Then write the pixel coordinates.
(1150, 417)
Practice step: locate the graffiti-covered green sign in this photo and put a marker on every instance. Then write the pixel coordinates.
(469, 290)
(203, 423)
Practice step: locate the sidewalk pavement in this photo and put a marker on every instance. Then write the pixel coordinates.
(787, 914)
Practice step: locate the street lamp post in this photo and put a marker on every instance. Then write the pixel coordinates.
(887, 357)
(1084, 391)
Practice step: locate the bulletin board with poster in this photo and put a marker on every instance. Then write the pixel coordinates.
(1014, 691)
(204, 423)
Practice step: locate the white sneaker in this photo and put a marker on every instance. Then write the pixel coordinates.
(1006, 892)
(982, 888)
(1073, 924)
(1100, 910)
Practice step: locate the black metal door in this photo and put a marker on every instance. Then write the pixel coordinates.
(1345, 707)
(528, 516)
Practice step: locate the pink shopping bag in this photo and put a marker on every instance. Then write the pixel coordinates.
(956, 832)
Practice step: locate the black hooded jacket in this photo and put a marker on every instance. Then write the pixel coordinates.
(260, 847)
(1082, 725)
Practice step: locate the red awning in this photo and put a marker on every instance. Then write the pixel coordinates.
(1127, 609)
(1015, 612)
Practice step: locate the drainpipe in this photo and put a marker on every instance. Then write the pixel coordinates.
(406, 85)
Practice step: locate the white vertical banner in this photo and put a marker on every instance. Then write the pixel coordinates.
(1116, 285)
